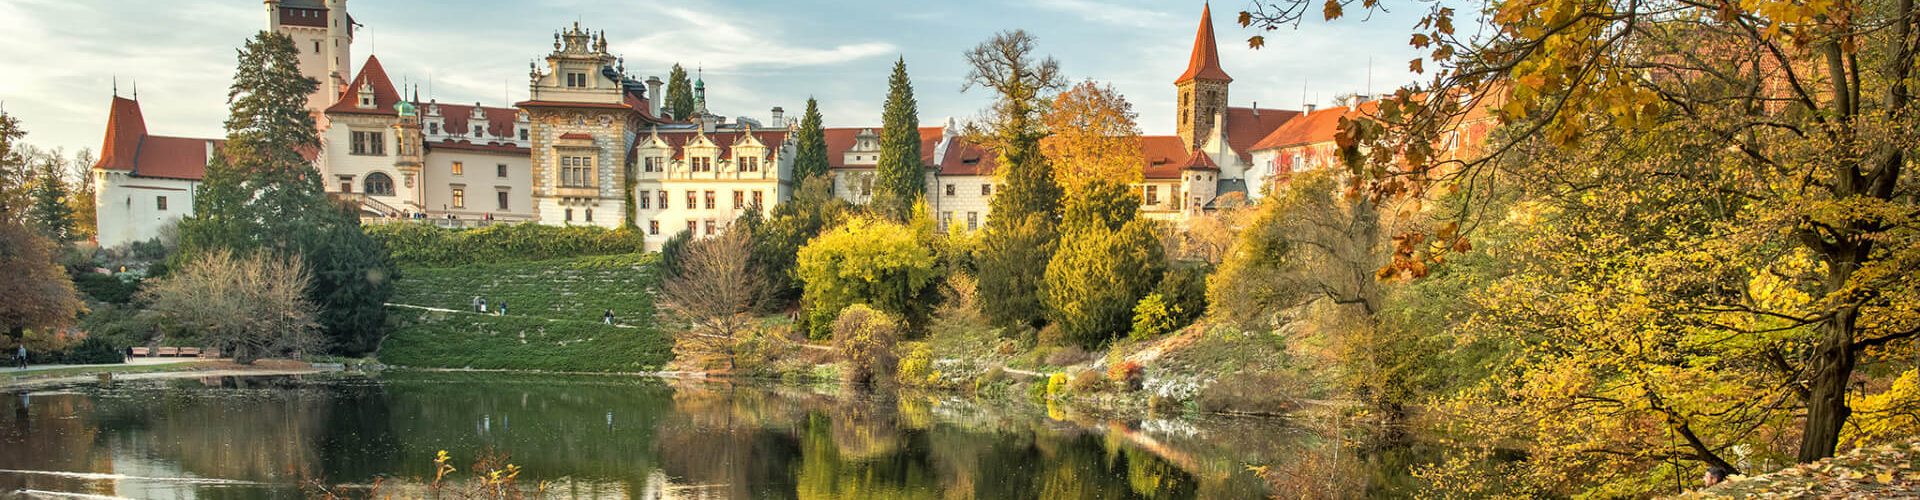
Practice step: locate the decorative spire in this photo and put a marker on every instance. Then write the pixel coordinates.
(1205, 62)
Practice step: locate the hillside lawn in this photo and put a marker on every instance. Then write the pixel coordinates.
(553, 321)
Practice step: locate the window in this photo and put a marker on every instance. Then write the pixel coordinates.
(710, 204)
(433, 128)
(709, 230)
(378, 183)
(750, 164)
(739, 199)
(569, 215)
(757, 202)
(500, 170)
(502, 196)
(693, 226)
(703, 164)
(693, 200)
(1153, 195)
(159, 202)
(459, 168)
(478, 131)
(866, 186)
(368, 143)
(653, 227)
(945, 218)
(576, 80)
(346, 183)
(949, 190)
(316, 46)
(973, 220)
(986, 190)
(653, 164)
(663, 199)
(646, 199)
(459, 198)
(523, 134)
(589, 215)
(576, 171)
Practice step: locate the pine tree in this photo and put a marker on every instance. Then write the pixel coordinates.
(810, 154)
(902, 178)
(261, 194)
(49, 213)
(679, 104)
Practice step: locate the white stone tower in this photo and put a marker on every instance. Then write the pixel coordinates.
(322, 32)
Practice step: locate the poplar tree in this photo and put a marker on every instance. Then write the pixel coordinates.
(902, 178)
(810, 154)
(261, 194)
(679, 104)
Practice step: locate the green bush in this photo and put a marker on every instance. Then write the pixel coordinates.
(105, 287)
(93, 351)
(917, 367)
(1097, 277)
(426, 245)
(869, 261)
(426, 339)
(1153, 317)
(121, 325)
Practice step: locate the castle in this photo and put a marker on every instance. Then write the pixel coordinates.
(592, 147)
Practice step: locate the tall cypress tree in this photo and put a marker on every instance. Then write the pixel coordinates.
(679, 104)
(810, 154)
(902, 178)
(262, 194)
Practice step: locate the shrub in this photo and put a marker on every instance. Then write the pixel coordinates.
(427, 245)
(1098, 276)
(1250, 393)
(1126, 375)
(104, 287)
(866, 338)
(871, 261)
(1056, 385)
(1153, 316)
(990, 381)
(917, 367)
(1085, 381)
(93, 351)
(1068, 356)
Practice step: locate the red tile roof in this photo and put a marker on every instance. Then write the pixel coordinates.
(772, 139)
(384, 95)
(967, 158)
(128, 147)
(500, 121)
(1205, 62)
(1199, 161)
(1312, 128)
(1166, 155)
(1247, 126)
(840, 139)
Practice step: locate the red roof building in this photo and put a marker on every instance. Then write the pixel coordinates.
(128, 147)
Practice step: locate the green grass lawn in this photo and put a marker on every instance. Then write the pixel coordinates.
(579, 289)
(553, 320)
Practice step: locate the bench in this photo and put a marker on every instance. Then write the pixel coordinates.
(142, 351)
(167, 352)
(190, 352)
(210, 353)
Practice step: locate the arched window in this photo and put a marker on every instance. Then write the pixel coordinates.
(379, 184)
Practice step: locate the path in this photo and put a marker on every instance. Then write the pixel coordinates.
(130, 362)
(615, 325)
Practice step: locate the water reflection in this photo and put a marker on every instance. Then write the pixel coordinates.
(607, 437)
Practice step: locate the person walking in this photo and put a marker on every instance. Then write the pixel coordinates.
(608, 317)
(502, 311)
(20, 355)
(483, 305)
(474, 304)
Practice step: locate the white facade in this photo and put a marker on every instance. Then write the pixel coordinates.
(134, 209)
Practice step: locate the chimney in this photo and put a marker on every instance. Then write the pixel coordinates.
(779, 117)
(655, 99)
(1256, 109)
(1356, 100)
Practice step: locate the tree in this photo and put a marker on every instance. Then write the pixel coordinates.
(14, 170)
(261, 193)
(867, 261)
(1097, 277)
(715, 292)
(50, 213)
(1094, 137)
(252, 307)
(679, 98)
(37, 293)
(1019, 239)
(901, 177)
(85, 214)
(778, 239)
(810, 150)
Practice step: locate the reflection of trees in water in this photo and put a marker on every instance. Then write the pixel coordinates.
(253, 429)
(41, 434)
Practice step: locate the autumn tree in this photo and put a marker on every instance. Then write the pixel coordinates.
(901, 178)
(715, 294)
(810, 149)
(678, 103)
(777, 240)
(37, 293)
(250, 307)
(85, 215)
(1026, 205)
(887, 265)
(1094, 137)
(1821, 94)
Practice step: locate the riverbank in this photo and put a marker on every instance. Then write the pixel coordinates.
(26, 379)
(1888, 471)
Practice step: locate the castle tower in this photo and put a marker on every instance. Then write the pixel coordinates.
(409, 157)
(322, 33)
(1203, 88)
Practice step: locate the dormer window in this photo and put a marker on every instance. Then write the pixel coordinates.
(366, 96)
(433, 128)
(750, 164)
(478, 131)
(576, 80)
(523, 134)
(702, 164)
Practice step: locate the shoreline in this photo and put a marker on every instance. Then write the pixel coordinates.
(209, 368)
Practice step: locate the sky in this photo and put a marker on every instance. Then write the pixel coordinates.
(59, 67)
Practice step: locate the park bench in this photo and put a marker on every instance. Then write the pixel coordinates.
(166, 352)
(189, 352)
(142, 352)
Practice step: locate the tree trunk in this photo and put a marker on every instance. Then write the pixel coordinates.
(1831, 368)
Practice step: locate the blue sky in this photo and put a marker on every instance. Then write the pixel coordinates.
(58, 67)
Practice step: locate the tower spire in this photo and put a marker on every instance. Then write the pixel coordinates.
(1204, 64)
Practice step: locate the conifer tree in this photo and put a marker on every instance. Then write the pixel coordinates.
(13, 169)
(50, 214)
(1021, 233)
(262, 194)
(902, 178)
(679, 104)
(810, 154)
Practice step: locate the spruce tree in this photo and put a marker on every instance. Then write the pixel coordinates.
(810, 154)
(262, 194)
(902, 178)
(50, 214)
(679, 104)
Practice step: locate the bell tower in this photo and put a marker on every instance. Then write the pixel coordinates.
(1202, 90)
(322, 33)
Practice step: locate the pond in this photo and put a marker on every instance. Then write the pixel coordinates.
(635, 437)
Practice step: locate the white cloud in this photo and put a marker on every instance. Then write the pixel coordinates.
(1118, 15)
(716, 41)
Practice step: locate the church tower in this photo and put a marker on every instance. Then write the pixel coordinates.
(322, 33)
(1203, 88)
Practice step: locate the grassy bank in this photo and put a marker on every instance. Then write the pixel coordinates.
(552, 322)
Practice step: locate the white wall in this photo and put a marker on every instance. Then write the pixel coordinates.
(966, 198)
(128, 207)
(480, 177)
